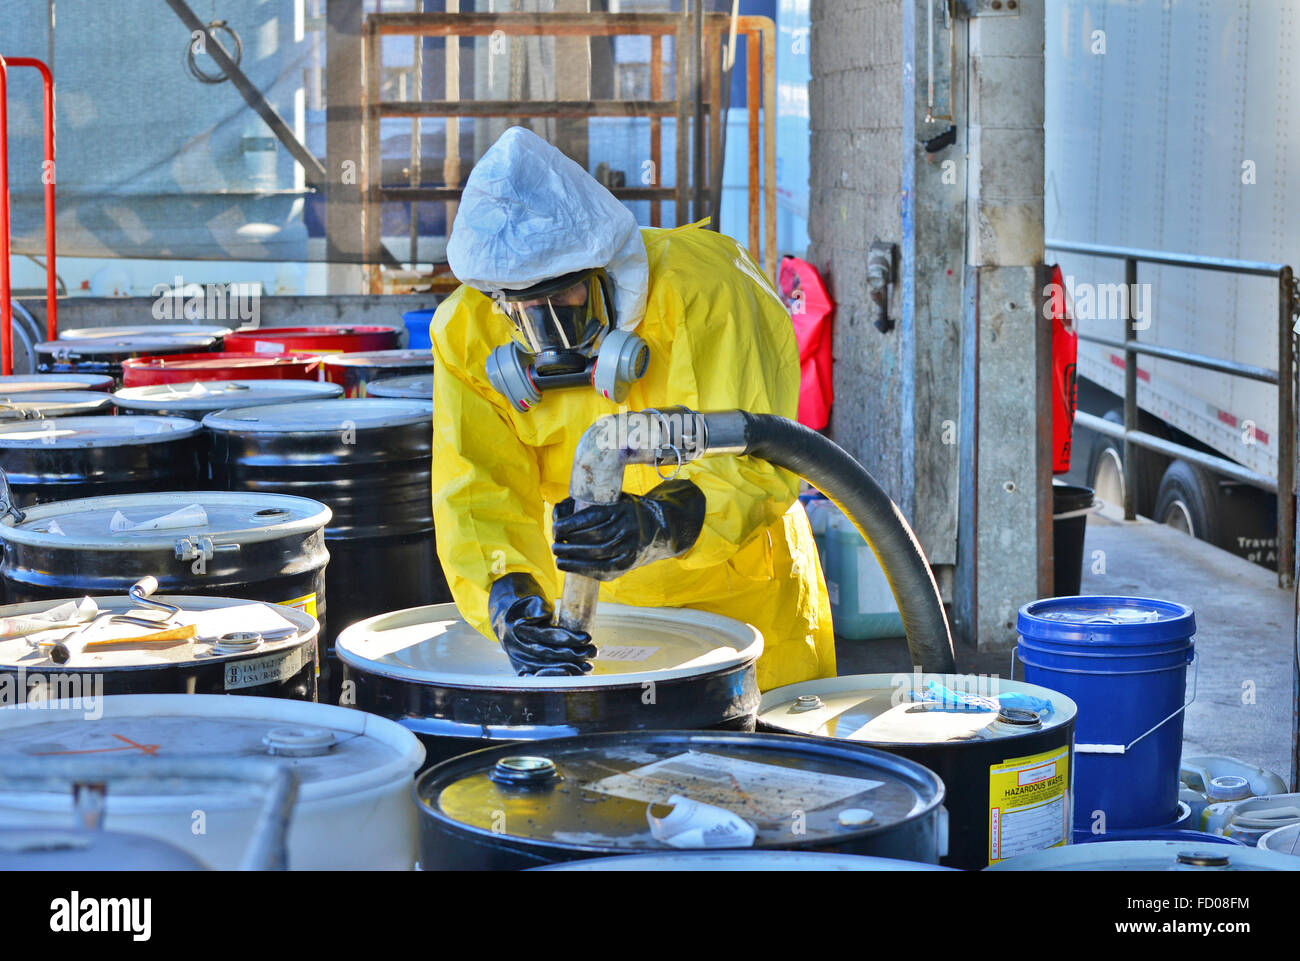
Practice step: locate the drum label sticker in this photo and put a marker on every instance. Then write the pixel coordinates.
(625, 652)
(272, 669)
(1029, 806)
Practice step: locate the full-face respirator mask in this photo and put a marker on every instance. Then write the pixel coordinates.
(565, 335)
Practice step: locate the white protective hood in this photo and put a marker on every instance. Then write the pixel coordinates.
(529, 213)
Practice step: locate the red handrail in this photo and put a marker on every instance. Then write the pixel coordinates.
(6, 305)
(48, 176)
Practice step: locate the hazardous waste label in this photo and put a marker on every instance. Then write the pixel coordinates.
(1029, 806)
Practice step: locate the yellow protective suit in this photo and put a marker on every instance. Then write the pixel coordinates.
(719, 339)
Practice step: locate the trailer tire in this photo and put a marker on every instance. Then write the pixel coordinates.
(1106, 469)
(1189, 500)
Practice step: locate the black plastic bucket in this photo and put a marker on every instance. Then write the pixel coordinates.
(1070, 509)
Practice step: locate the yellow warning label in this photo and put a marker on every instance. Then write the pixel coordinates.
(306, 604)
(1029, 804)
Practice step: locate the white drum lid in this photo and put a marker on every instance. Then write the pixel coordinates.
(1149, 856)
(233, 517)
(113, 346)
(213, 616)
(79, 432)
(876, 709)
(413, 386)
(214, 395)
(66, 849)
(433, 645)
(23, 383)
(144, 330)
(356, 413)
(365, 753)
(53, 401)
(380, 358)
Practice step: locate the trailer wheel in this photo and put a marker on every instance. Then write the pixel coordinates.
(1106, 469)
(1189, 501)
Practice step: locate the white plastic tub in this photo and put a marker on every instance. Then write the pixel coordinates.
(354, 809)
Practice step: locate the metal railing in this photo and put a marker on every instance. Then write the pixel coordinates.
(1283, 378)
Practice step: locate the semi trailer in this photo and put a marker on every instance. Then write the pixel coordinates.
(1169, 206)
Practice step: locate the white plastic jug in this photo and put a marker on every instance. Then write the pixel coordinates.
(1249, 820)
(1199, 776)
(862, 603)
(1284, 840)
(817, 509)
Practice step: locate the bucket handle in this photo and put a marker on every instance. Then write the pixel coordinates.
(1125, 748)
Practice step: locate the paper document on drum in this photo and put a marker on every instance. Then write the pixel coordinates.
(761, 791)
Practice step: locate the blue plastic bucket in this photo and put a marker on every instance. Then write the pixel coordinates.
(417, 329)
(1179, 829)
(1123, 661)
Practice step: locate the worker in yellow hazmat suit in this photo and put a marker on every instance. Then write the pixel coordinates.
(567, 312)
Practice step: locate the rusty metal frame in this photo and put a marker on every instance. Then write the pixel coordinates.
(760, 37)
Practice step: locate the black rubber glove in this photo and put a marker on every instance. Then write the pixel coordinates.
(522, 619)
(607, 540)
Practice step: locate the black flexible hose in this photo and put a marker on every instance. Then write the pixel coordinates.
(829, 468)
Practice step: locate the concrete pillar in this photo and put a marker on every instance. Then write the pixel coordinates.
(856, 161)
(927, 134)
(1006, 437)
(344, 236)
(572, 60)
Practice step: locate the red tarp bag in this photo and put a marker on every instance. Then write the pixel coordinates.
(1065, 354)
(810, 308)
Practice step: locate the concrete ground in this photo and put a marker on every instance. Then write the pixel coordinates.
(1245, 635)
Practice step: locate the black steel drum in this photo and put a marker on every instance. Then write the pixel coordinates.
(370, 461)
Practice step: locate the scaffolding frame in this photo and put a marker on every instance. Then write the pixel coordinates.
(760, 65)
